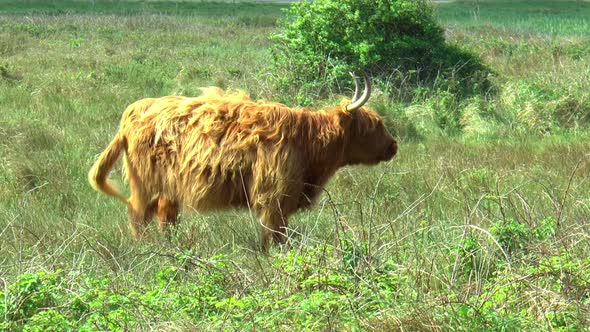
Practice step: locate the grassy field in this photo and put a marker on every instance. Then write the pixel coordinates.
(483, 229)
(550, 18)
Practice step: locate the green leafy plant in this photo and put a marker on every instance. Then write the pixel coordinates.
(511, 234)
(514, 236)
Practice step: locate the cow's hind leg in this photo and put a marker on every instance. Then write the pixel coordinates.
(142, 204)
(167, 213)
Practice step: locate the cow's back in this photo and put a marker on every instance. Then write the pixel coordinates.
(196, 152)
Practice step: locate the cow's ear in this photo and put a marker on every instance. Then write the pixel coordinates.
(344, 117)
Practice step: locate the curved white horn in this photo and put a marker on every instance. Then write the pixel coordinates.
(356, 87)
(363, 99)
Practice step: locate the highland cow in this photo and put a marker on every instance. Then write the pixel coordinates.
(223, 150)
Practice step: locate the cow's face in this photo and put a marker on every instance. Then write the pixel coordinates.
(369, 141)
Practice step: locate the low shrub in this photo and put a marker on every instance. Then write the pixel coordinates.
(398, 42)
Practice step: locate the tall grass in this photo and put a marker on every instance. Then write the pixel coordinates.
(484, 230)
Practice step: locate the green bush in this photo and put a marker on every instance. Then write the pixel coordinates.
(393, 40)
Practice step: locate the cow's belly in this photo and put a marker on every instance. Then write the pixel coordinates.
(206, 196)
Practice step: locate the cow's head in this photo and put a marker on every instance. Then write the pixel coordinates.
(369, 142)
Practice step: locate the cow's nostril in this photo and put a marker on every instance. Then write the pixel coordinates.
(390, 151)
(394, 148)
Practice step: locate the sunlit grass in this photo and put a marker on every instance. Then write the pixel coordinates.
(494, 221)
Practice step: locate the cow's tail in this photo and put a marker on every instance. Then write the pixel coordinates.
(98, 175)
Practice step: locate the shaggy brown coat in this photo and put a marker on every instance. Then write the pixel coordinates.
(222, 150)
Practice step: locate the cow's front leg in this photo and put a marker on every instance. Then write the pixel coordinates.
(274, 227)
